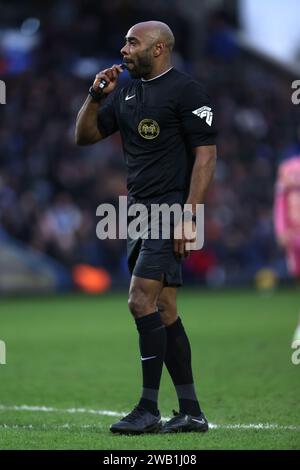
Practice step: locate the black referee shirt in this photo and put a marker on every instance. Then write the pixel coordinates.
(160, 121)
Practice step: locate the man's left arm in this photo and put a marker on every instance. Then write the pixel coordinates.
(202, 174)
(198, 125)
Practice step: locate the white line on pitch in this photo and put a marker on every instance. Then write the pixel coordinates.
(50, 426)
(47, 409)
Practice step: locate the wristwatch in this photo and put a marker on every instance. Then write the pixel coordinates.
(188, 216)
(96, 95)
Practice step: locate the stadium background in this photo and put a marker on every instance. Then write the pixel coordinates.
(50, 189)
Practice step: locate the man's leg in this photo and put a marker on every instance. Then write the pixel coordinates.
(179, 364)
(143, 296)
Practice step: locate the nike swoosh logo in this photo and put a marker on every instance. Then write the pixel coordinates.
(147, 358)
(129, 97)
(201, 421)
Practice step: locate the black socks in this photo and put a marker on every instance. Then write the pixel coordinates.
(170, 344)
(152, 346)
(179, 365)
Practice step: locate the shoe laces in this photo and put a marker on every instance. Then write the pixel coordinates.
(137, 412)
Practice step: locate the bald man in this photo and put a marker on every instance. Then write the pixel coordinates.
(166, 124)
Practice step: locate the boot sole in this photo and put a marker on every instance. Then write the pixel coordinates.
(153, 428)
(182, 429)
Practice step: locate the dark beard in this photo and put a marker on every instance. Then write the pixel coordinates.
(142, 66)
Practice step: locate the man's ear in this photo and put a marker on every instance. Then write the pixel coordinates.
(158, 49)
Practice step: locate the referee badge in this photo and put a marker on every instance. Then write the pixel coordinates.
(148, 129)
(204, 112)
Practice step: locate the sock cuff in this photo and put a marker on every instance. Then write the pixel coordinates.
(176, 328)
(149, 322)
(150, 394)
(186, 392)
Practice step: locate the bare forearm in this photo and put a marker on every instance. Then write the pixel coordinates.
(202, 174)
(86, 131)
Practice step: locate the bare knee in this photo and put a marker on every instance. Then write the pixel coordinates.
(168, 312)
(139, 303)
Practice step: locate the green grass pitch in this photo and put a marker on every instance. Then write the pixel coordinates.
(78, 353)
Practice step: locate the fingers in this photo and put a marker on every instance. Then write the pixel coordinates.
(110, 76)
(184, 237)
(179, 242)
(113, 72)
(119, 68)
(190, 237)
(179, 249)
(189, 231)
(110, 73)
(186, 252)
(103, 76)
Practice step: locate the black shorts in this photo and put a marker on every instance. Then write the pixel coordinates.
(155, 258)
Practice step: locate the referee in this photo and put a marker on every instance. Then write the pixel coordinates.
(167, 128)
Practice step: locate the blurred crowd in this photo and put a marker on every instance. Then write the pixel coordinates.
(50, 188)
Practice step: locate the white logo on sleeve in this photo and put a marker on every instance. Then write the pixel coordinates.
(129, 97)
(204, 112)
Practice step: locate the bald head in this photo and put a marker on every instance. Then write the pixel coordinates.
(154, 31)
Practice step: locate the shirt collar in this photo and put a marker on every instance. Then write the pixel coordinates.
(157, 76)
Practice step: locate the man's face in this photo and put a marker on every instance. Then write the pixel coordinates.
(137, 55)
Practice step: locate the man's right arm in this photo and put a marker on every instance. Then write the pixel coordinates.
(87, 131)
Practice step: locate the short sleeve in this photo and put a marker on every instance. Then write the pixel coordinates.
(107, 118)
(197, 116)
